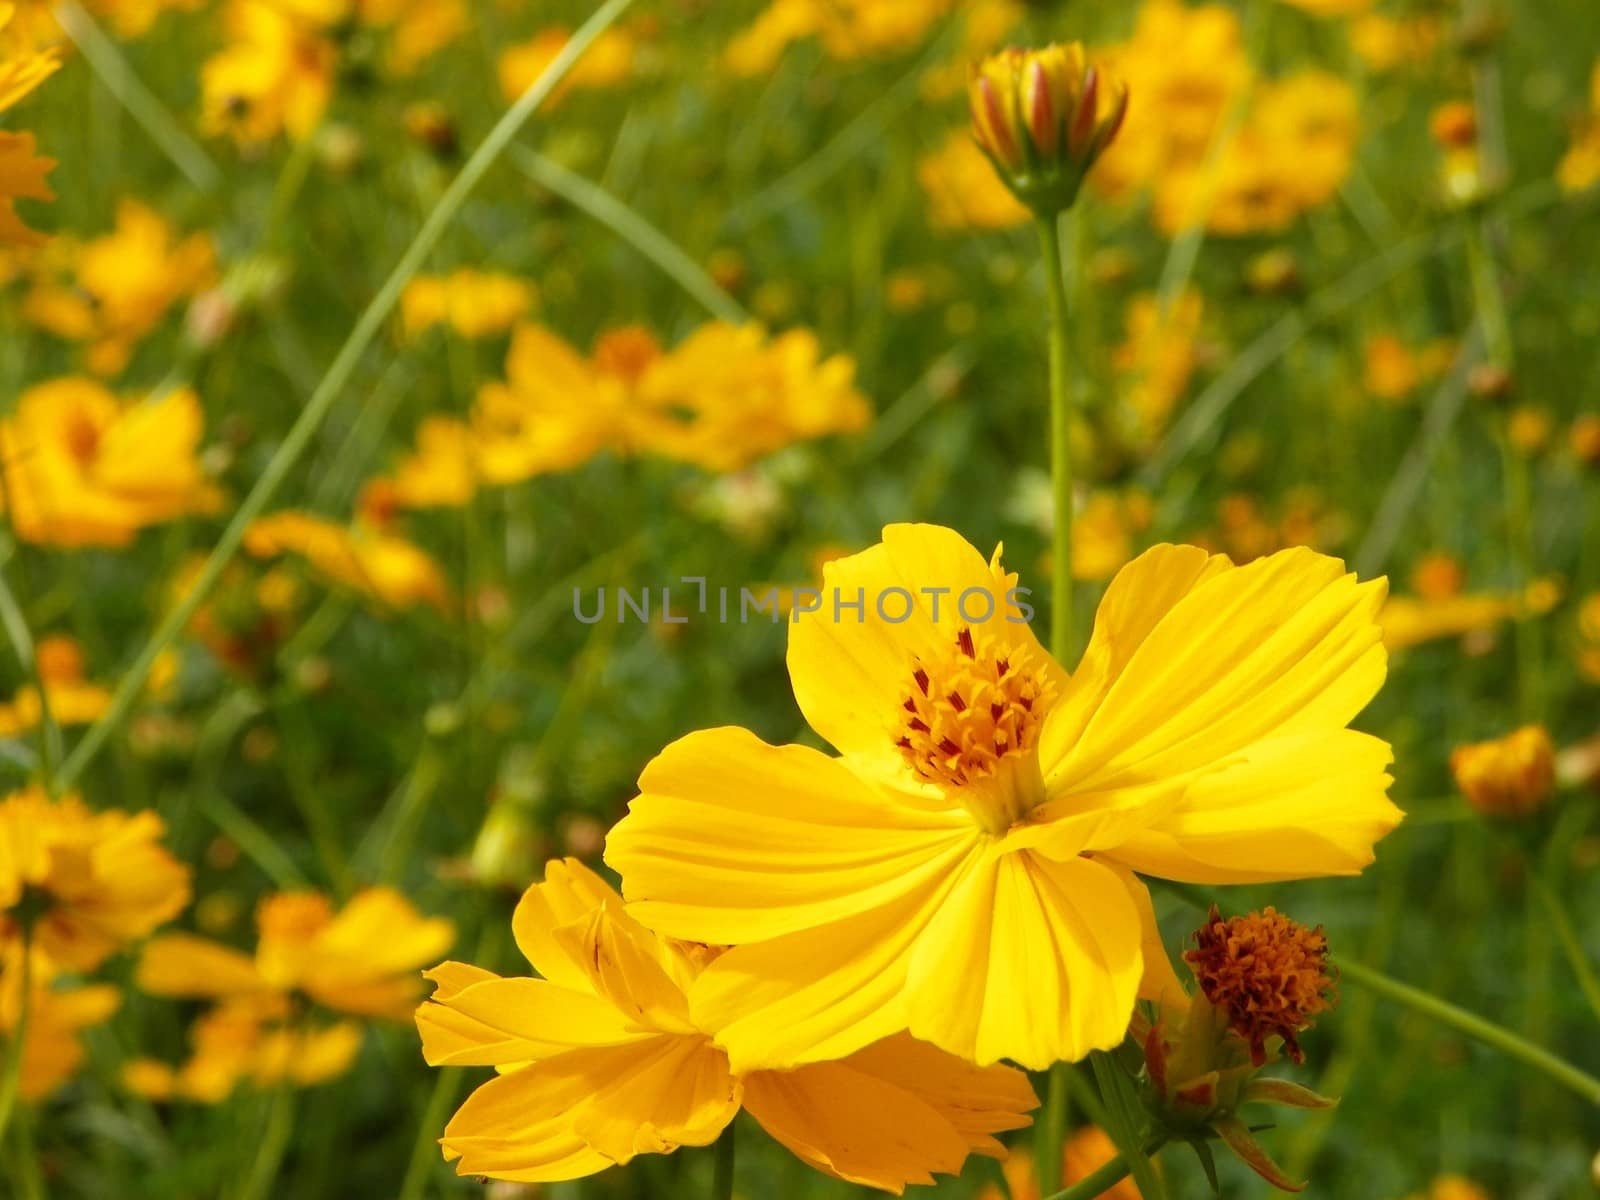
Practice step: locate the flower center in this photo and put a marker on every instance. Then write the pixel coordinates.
(971, 725)
(82, 438)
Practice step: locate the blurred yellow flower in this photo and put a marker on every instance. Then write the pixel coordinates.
(94, 882)
(962, 190)
(1392, 370)
(1528, 428)
(987, 805)
(1103, 531)
(608, 62)
(1384, 43)
(363, 557)
(112, 291)
(1511, 776)
(476, 304)
(1332, 8)
(1579, 169)
(23, 67)
(247, 1039)
(1156, 360)
(984, 26)
(1295, 149)
(1412, 620)
(134, 18)
(847, 29)
(84, 469)
(51, 1049)
(605, 1058)
(443, 470)
(1185, 67)
(71, 699)
(274, 75)
(361, 960)
(1452, 1187)
(417, 29)
(1085, 1151)
(724, 397)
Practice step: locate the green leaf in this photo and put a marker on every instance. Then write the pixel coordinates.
(1125, 1123)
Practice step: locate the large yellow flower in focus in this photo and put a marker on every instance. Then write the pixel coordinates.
(966, 868)
(85, 469)
(92, 882)
(362, 959)
(602, 1060)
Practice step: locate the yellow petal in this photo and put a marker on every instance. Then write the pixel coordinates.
(978, 1101)
(733, 840)
(1032, 959)
(631, 968)
(1295, 807)
(1284, 645)
(180, 964)
(570, 892)
(648, 1097)
(855, 1126)
(852, 673)
(822, 993)
(496, 1021)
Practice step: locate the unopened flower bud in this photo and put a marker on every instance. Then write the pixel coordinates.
(1043, 117)
(1510, 777)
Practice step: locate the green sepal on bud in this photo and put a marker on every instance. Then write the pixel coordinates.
(1043, 117)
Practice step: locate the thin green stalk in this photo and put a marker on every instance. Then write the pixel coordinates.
(1051, 1129)
(22, 643)
(628, 225)
(1571, 945)
(28, 1178)
(119, 78)
(1102, 1180)
(11, 1081)
(1529, 631)
(258, 1184)
(425, 1155)
(1510, 1044)
(1062, 638)
(722, 1166)
(336, 381)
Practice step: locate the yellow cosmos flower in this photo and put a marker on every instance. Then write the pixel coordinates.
(476, 304)
(609, 61)
(274, 75)
(1186, 66)
(724, 397)
(115, 290)
(364, 557)
(603, 1059)
(85, 469)
(71, 699)
(1579, 169)
(360, 960)
(246, 1040)
(442, 472)
(1392, 370)
(91, 882)
(966, 870)
(51, 1049)
(1414, 620)
(1384, 43)
(962, 190)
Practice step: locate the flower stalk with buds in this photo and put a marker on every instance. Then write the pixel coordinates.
(1262, 978)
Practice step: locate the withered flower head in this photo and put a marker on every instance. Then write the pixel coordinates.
(1043, 117)
(1269, 974)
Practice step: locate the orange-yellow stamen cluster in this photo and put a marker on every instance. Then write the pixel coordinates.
(967, 711)
(1267, 972)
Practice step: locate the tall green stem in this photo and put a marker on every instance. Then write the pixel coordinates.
(1061, 626)
(335, 382)
(722, 1167)
(1051, 1129)
(1474, 1026)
